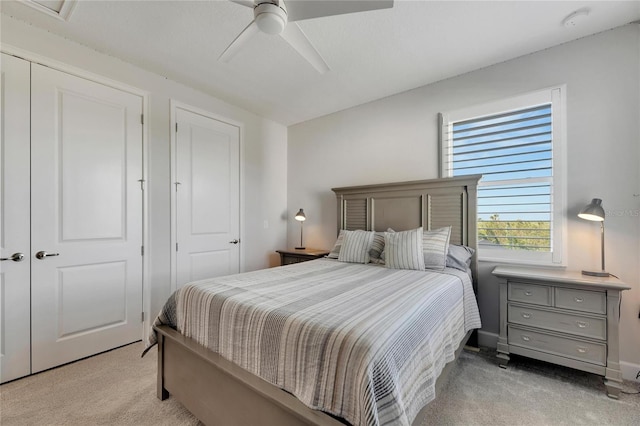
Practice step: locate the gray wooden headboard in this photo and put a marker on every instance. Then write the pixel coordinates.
(432, 204)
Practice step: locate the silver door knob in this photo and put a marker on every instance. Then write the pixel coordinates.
(234, 241)
(16, 257)
(43, 254)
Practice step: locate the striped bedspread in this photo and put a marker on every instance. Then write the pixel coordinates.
(362, 342)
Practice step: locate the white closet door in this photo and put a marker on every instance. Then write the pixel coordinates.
(86, 217)
(208, 200)
(15, 325)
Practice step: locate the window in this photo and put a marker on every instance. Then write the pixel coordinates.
(517, 145)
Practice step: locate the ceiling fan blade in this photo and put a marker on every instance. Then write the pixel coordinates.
(247, 3)
(297, 10)
(236, 44)
(299, 41)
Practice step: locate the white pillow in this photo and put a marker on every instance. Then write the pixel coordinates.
(356, 246)
(435, 245)
(403, 250)
(335, 251)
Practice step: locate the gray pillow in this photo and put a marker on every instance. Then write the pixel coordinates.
(381, 260)
(459, 257)
(377, 246)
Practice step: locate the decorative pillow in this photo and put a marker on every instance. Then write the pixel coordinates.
(435, 245)
(459, 257)
(377, 246)
(356, 246)
(403, 250)
(335, 251)
(382, 254)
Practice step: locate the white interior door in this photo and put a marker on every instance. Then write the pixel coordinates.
(15, 319)
(207, 200)
(86, 217)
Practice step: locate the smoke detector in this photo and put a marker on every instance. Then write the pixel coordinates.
(575, 18)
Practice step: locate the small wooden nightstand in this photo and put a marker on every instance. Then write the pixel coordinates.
(287, 257)
(562, 317)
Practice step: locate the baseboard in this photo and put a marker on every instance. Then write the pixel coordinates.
(487, 339)
(629, 370)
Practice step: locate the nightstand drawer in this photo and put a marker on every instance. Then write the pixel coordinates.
(594, 353)
(530, 293)
(581, 300)
(592, 327)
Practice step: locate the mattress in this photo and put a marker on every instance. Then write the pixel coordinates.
(364, 343)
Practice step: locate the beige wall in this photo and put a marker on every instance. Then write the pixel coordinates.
(395, 139)
(263, 151)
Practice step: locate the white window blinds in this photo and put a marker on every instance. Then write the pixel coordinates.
(515, 150)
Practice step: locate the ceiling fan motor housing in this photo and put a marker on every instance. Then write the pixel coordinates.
(270, 18)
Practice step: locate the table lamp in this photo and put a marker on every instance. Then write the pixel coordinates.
(301, 218)
(594, 211)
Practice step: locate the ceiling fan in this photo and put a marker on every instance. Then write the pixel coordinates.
(274, 17)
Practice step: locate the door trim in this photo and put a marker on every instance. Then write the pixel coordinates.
(97, 78)
(174, 106)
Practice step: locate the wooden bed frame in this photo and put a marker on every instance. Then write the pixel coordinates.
(218, 392)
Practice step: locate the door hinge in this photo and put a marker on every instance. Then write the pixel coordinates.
(141, 118)
(142, 317)
(176, 246)
(142, 181)
(176, 127)
(141, 250)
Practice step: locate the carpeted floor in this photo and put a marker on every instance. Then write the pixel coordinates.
(528, 392)
(113, 388)
(118, 388)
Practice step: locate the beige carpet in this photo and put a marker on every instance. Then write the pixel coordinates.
(113, 388)
(118, 388)
(528, 392)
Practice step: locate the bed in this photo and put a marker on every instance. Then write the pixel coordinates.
(330, 341)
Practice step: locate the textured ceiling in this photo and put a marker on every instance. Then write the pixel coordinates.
(371, 54)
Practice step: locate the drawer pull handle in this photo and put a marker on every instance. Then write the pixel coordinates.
(582, 350)
(528, 293)
(582, 324)
(526, 338)
(578, 299)
(526, 315)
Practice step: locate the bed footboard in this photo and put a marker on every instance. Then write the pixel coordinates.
(219, 392)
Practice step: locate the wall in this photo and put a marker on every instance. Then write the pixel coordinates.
(263, 152)
(395, 139)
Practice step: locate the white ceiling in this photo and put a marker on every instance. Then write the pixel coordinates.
(371, 54)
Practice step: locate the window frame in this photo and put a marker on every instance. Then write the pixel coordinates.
(556, 96)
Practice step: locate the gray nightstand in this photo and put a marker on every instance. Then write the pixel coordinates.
(288, 257)
(562, 317)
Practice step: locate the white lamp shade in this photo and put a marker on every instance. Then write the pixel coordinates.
(593, 211)
(300, 216)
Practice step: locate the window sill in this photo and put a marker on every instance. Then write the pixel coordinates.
(523, 262)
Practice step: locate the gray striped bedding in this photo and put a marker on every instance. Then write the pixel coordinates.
(362, 342)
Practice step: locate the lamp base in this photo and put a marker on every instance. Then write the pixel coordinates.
(596, 273)
(300, 248)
